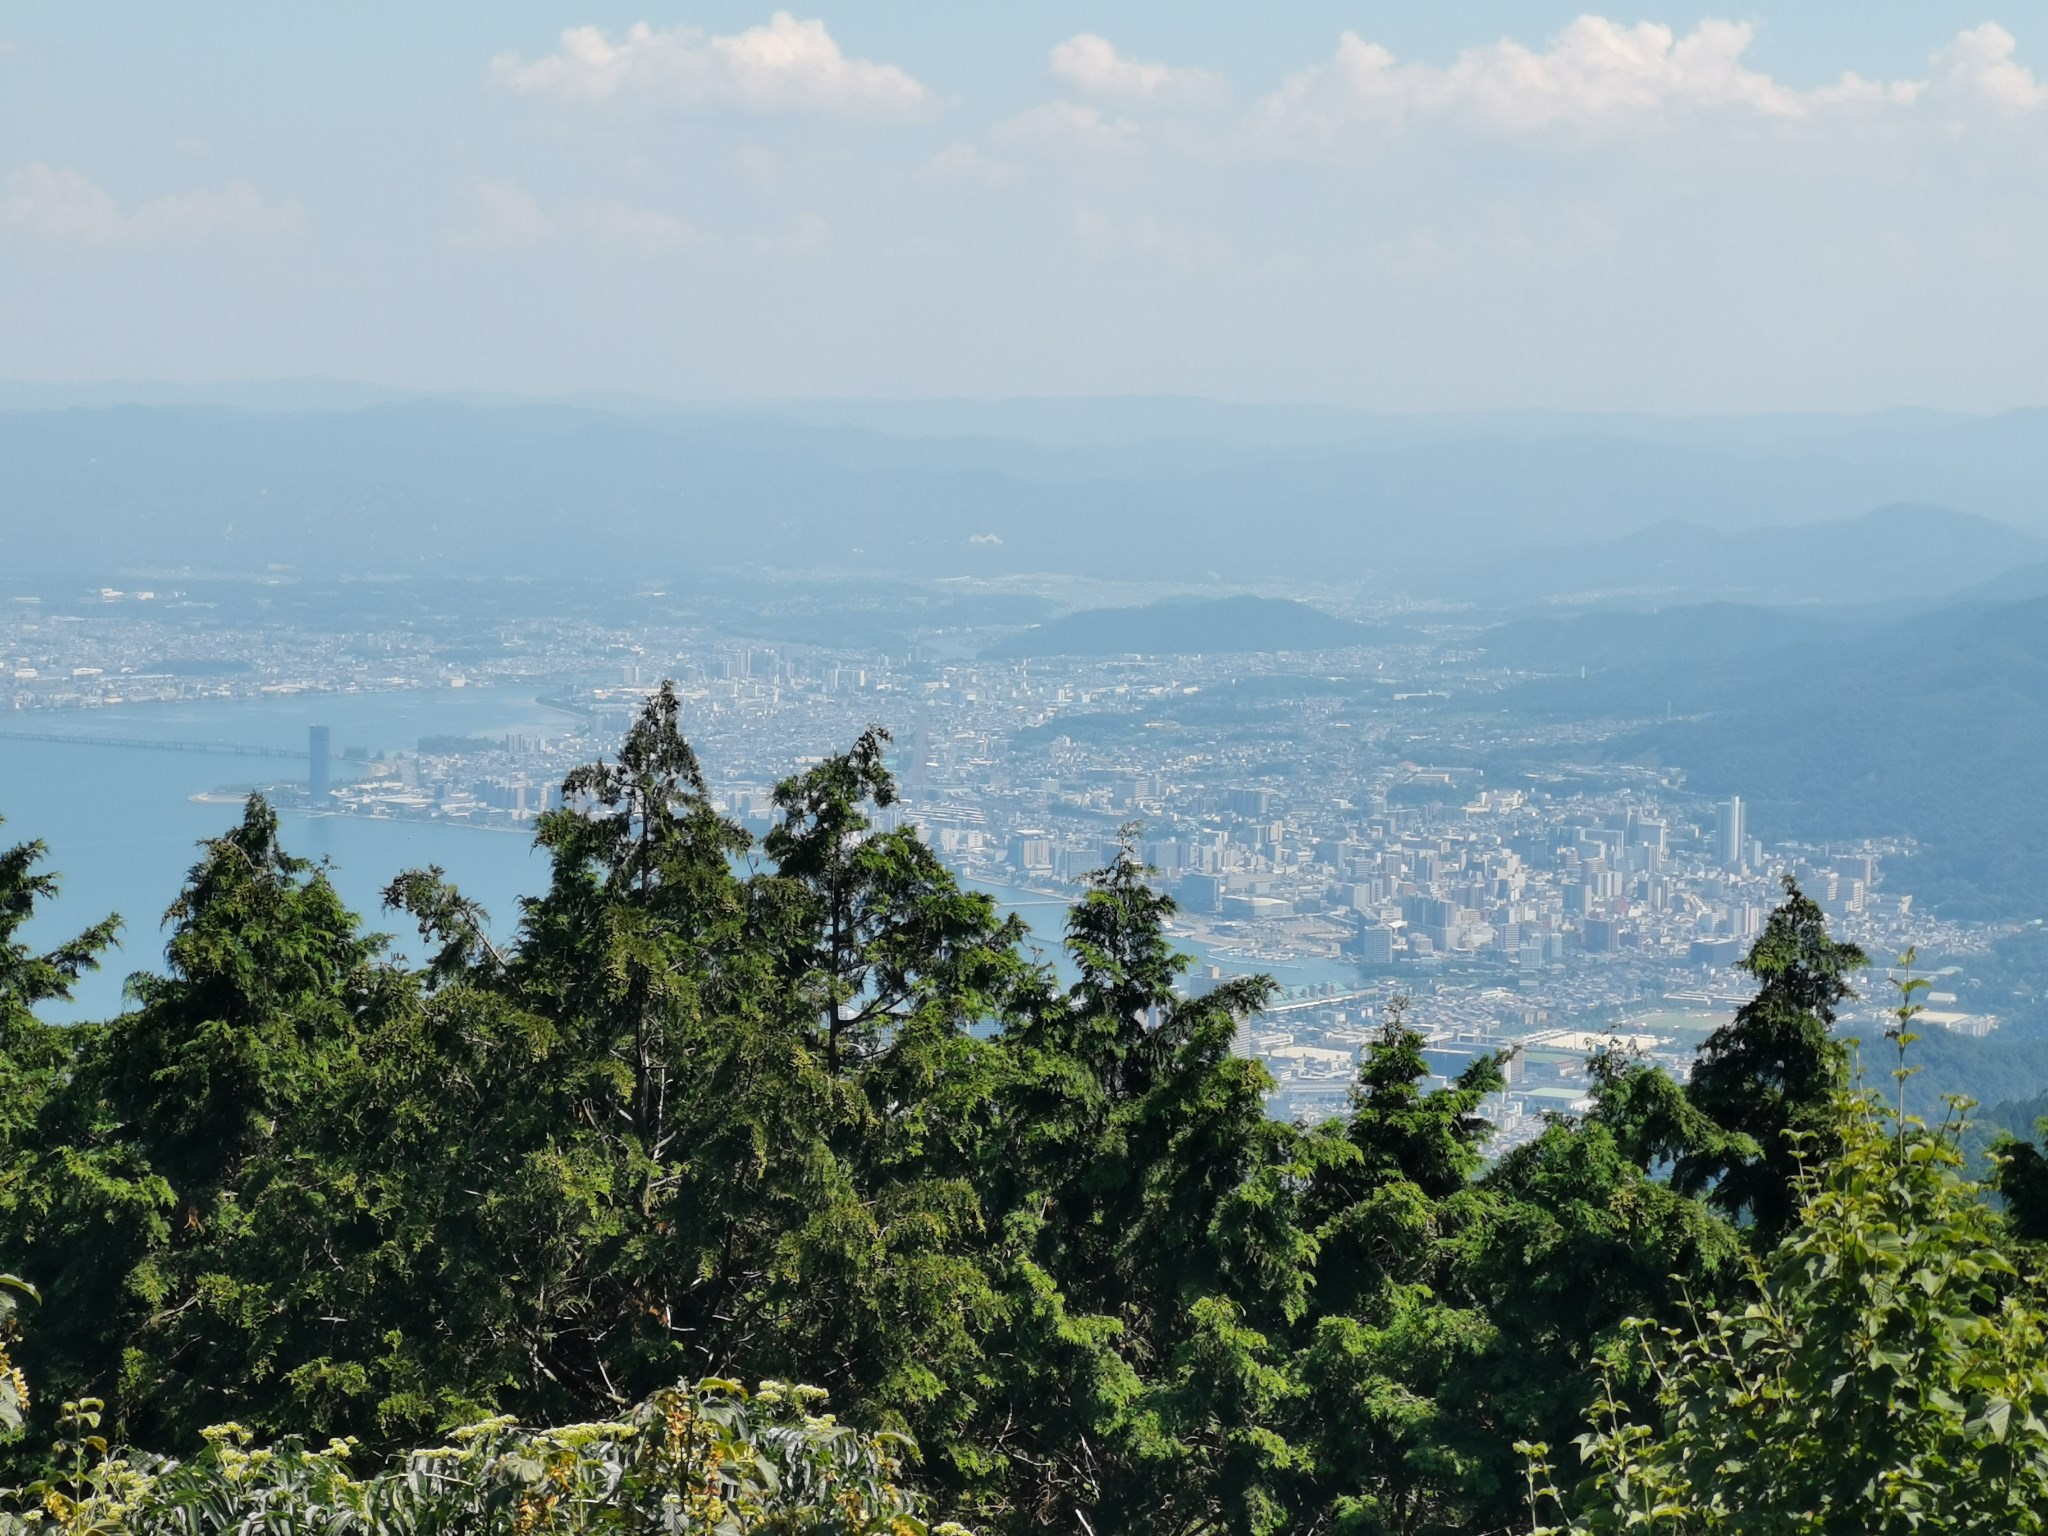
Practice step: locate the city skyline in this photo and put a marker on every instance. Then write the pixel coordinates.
(1350, 849)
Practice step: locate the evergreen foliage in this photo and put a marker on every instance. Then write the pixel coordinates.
(1884, 1370)
(805, 1109)
(1772, 1074)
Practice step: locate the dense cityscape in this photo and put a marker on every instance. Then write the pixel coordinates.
(1338, 838)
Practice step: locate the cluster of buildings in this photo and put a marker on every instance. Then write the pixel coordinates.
(1316, 817)
(122, 647)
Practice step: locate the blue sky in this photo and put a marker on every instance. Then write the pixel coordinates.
(1444, 206)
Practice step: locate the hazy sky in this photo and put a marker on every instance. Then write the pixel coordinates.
(1816, 204)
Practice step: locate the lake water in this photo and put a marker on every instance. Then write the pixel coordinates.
(123, 829)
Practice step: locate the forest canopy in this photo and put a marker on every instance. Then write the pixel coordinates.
(803, 1109)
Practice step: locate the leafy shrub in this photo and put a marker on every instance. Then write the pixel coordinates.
(704, 1460)
(1886, 1373)
(13, 1386)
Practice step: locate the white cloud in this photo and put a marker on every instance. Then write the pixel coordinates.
(237, 211)
(1067, 125)
(1978, 67)
(964, 162)
(61, 206)
(785, 66)
(1102, 235)
(1091, 63)
(762, 168)
(634, 231)
(1595, 73)
(499, 215)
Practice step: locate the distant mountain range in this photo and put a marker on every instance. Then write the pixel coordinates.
(1898, 552)
(1499, 508)
(1852, 672)
(1603, 641)
(1931, 724)
(1188, 626)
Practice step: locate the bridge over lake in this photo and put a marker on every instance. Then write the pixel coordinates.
(150, 744)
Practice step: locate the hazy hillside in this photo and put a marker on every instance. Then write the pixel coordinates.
(1933, 726)
(1938, 730)
(1897, 552)
(1440, 506)
(1601, 642)
(2012, 587)
(1188, 626)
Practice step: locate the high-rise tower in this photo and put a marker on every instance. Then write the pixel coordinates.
(1731, 838)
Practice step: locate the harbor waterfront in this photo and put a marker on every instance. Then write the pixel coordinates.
(126, 825)
(1538, 923)
(123, 824)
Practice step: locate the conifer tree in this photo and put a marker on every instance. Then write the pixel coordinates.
(176, 1221)
(30, 1053)
(2020, 1176)
(1771, 1075)
(40, 1231)
(263, 964)
(1159, 1259)
(896, 973)
(1397, 1352)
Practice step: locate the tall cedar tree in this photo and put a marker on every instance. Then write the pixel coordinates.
(1158, 1256)
(896, 973)
(1771, 1075)
(193, 1181)
(1396, 1357)
(37, 1061)
(32, 1054)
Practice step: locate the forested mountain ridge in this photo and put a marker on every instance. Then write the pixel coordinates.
(819, 1116)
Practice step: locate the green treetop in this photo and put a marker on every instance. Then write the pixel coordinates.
(1771, 1075)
